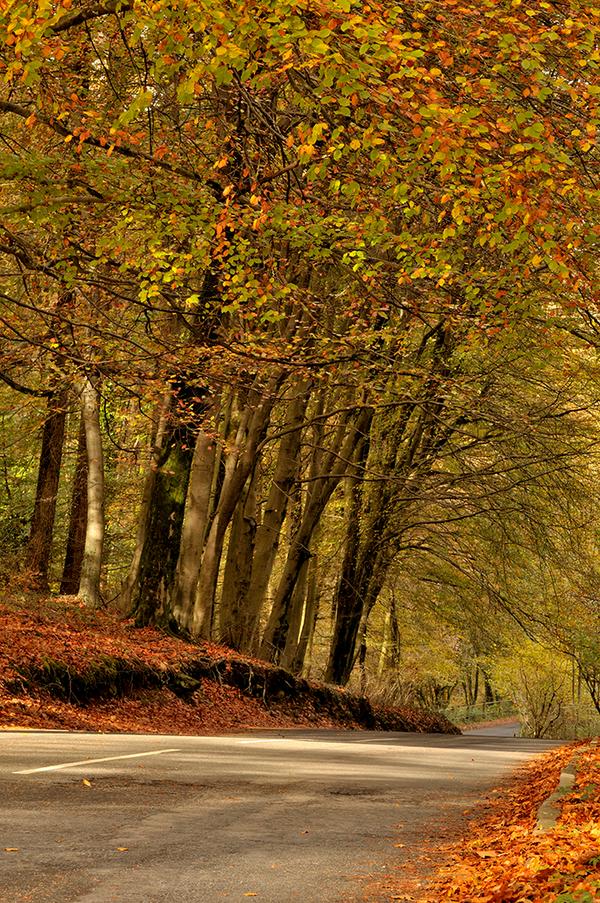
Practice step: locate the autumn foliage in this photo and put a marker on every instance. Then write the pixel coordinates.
(321, 280)
(503, 859)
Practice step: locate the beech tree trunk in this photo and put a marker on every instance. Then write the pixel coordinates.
(336, 465)
(238, 567)
(354, 605)
(296, 617)
(156, 447)
(238, 466)
(71, 575)
(158, 561)
(39, 546)
(269, 531)
(89, 587)
(297, 661)
(348, 603)
(194, 528)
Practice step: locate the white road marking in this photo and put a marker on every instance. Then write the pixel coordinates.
(156, 752)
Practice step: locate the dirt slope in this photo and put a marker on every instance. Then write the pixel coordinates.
(63, 666)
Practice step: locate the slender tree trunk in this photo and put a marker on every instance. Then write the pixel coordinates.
(194, 528)
(269, 531)
(89, 587)
(238, 567)
(355, 604)
(395, 651)
(362, 665)
(156, 449)
(39, 546)
(153, 592)
(275, 635)
(488, 691)
(296, 617)
(237, 470)
(309, 621)
(71, 575)
(348, 601)
(385, 645)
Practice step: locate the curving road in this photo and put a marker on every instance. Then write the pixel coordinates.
(284, 816)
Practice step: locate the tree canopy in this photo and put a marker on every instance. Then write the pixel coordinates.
(321, 278)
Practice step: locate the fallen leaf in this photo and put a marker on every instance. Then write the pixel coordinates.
(250, 893)
(86, 782)
(11, 849)
(122, 849)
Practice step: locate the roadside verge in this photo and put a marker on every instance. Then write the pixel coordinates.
(507, 857)
(65, 666)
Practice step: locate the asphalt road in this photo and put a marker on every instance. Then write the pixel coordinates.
(507, 729)
(284, 816)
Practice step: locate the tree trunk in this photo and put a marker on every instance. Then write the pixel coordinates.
(71, 575)
(153, 592)
(385, 645)
(39, 546)
(309, 621)
(355, 603)
(239, 465)
(296, 617)
(194, 528)
(275, 635)
(89, 587)
(156, 447)
(348, 601)
(238, 568)
(395, 651)
(269, 531)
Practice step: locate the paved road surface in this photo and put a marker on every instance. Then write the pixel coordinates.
(287, 816)
(510, 729)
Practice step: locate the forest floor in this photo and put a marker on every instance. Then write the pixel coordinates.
(503, 857)
(64, 666)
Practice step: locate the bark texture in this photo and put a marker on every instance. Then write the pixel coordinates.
(71, 575)
(89, 587)
(39, 546)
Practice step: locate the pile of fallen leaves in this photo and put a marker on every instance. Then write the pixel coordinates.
(64, 666)
(505, 860)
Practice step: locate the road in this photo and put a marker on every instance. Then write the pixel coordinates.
(286, 816)
(502, 729)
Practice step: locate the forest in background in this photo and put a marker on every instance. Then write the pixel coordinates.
(299, 334)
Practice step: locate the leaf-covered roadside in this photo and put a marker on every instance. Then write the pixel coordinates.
(62, 665)
(504, 860)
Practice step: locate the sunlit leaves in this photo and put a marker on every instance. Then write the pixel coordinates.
(468, 131)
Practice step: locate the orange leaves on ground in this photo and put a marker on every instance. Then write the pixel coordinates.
(44, 634)
(505, 861)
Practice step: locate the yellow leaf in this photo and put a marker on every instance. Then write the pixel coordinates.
(86, 782)
(122, 849)
(11, 849)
